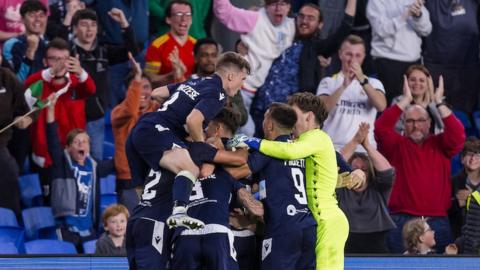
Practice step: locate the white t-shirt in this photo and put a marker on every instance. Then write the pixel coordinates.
(352, 108)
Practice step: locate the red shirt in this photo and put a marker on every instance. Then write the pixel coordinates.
(422, 185)
(156, 58)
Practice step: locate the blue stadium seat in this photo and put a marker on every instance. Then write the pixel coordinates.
(476, 120)
(467, 124)
(456, 164)
(30, 190)
(49, 247)
(8, 248)
(108, 184)
(89, 247)
(39, 223)
(106, 200)
(14, 235)
(7, 217)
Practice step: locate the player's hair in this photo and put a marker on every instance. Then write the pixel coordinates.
(283, 115)
(472, 144)
(73, 133)
(113, 210)
(168, 10)
(365, 158)
(32, 6)
(204, 41)
(308, 102)
(420, 68)
(317, 8)
(59, 44)
(84, 14)
(131, 75)
(232, 59)
(269, 2)
(412, 230)
(354, 40)
(230, 118)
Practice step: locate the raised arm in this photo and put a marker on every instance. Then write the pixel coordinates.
(306, 145)
(236, 19)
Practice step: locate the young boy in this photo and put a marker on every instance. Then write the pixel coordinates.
(112, 242)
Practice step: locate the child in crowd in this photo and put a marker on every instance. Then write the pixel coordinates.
(419, 238)
(112, 242)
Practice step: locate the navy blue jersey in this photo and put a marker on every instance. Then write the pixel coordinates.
(282, 191)
(211, 197)
(205, 94)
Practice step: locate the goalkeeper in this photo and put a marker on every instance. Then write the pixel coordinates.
(321, 169)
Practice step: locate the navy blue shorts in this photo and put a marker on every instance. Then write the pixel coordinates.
(145, 147)
(246, 247)
(293, 250)
(148, 244)
(209, 251)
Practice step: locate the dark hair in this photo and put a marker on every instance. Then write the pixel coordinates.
(420, 68)
(168, 10)
(269, 2)
(73, 133)
(283, 115)
(472, 144)
(308, 102)
(59, 44)
(32, 6)
(84, 14)
(204, 41)
(317, 8)
(230, 118)
(232, 59)
(131, 75)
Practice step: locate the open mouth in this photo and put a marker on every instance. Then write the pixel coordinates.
(81, 152)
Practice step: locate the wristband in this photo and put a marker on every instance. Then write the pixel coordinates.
(365, 81)
(440, 104)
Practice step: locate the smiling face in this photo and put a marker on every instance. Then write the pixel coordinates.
(116, 225)
(308, 21)
(418, 83)
(86, 31)
(146, 94)
(277, 11)
(180, 19)
(79, 148)
(206, 59)
(35, 22)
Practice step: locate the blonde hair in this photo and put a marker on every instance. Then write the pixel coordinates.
(412, 230)
(113, 210)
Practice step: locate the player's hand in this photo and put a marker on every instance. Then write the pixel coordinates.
(358, 182)
(238, 141)
(206, 170)
(343, 179)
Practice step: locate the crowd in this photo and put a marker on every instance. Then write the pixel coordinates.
(381, 79)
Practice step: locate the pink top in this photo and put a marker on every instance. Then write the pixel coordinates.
(236, 19)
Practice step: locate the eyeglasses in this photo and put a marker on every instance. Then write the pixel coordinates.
(56, 58)
(429, 230)
(182, 15)
(420, 121)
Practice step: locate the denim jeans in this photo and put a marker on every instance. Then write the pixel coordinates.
(441, 226)
(96, 131)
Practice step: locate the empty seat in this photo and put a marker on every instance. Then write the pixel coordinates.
(7, 217)
(49, 246)
(89, 247)
(8, 248)
(30, 190)
(106, 200)
(467, 124)
(39, 223)
(14, 235)
(108, 184)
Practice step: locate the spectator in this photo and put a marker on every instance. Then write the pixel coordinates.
(266, 32)
(25, 53)
(170, 58)
(350, 96)
(124, 117)
(298, 69)
(397, 31)
(200, 11)
(422, 163)
(60, 19)
(366, 206)
(75, 180)
(62, 70)
(452, 50)
(206, 52)
(13, 105)
(112, 242)
(95, 57)
(418, 237)
(421, 86)
(464, 183)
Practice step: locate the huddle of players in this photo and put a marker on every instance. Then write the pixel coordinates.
(197, 234)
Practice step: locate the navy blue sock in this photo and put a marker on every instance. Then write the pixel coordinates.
(182, 188)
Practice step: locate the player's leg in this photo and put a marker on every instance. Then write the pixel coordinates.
(187, 252)
(307, 259)
(178, 161)
(332, 233)
(245, 244)
(223, 256)
(282, 251)
(148, 244)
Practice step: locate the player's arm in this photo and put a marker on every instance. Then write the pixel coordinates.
(246, 199)
(195, 125)
(160, 93)
(301, 148)
(237, 158)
